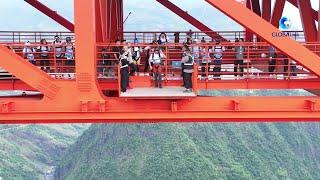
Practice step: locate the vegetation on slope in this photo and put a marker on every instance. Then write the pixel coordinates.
(194, 151)
(28, 151)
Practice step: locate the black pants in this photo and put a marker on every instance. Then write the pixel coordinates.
(241, 67)
(272, 65)
(292, 68)
(45, 63)
(182, 74)
(204, 69)
(133, 69)
(146, 64)
(124, 78)
(217, 70)
(188, 80)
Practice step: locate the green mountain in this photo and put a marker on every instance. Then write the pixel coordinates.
(29, 151)
(194, 151)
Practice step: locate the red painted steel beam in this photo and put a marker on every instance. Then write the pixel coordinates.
(200, 109)
(314, 12)
(85, 34)
(266, 10)
(319, 24)
(277, 12)
(266, 31)
(221, 84)
(190, 19)
(28, 73)
(52, 14)
(308, 23)
(112, 10)
(255, 4)
(249, 34)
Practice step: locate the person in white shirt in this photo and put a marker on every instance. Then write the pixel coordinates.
(156, 65)
(28, 53)
(58, 52)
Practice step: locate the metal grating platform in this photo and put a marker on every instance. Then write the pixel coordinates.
(152, 93)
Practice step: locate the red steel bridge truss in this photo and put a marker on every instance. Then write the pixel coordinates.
(87, 98)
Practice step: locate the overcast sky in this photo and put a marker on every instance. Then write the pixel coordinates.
(146, 15)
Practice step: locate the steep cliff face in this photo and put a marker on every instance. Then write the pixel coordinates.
(28, 151)
(194, 151)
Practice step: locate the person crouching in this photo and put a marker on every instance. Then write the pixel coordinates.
(188, 61)
(156, 65)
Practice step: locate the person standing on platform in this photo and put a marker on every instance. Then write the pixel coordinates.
(188, 62)
(58, 52)
(28, 53)
(133, 68)
(136, 55)
(44, 55)
(124, 68)
(156, 65)
(217, 52)
(238, 63)
(272, 60)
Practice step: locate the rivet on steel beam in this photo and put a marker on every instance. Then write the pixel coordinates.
(84, 106)
(311, 105)
(174, 106)
(235, 105)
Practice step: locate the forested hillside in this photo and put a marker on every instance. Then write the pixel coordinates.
(195, 151)
(28, 151)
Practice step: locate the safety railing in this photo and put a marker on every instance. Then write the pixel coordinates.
(58, 60)
(32, 36)
(142, 37)
(235, 61)
(182, 36)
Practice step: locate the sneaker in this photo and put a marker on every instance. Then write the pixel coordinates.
(187, 91)
(160, 86)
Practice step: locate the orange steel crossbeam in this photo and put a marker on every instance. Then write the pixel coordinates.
(313, 12)
(28, 73)
(52, 14)
(201, 109)
(265, 30)
(190, 19)
(309, 26)
(277, 12)
(85, 32)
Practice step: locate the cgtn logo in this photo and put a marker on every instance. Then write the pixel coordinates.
(285, 23)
